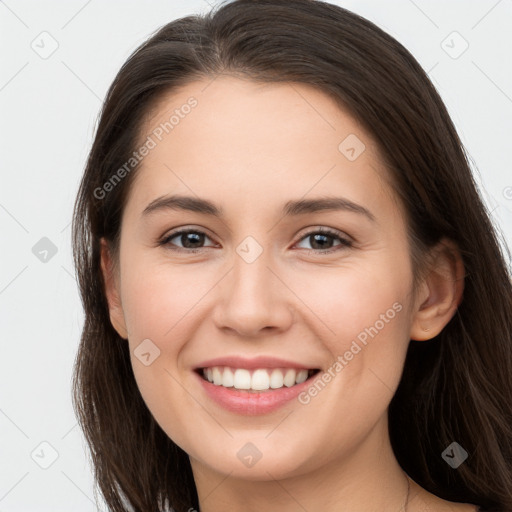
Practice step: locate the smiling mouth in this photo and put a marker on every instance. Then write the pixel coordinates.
(255, 380)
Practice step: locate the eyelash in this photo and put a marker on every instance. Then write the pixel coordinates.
(344, 242)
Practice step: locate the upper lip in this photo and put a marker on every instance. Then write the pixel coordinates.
(254, 362)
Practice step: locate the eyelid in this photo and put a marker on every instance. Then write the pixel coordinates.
(346, 242)
(324, 230)
(164, 240)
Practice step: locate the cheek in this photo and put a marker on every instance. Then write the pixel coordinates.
(164, 304)
(364, 306)
(367, 312)
(159, 304)
(158, 298)
(350, 298)
(156, 303)
(362, 309)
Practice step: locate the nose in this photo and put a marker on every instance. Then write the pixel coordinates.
(253, 300)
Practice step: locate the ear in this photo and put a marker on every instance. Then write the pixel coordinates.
(440, 292)
(112, 292)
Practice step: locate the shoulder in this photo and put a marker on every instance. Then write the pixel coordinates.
(422, 500)
(463, 507)
(450, 506)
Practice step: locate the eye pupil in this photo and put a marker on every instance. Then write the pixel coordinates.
(197, 238)
(318, 237)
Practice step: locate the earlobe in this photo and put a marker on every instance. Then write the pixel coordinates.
(112, 290)
(442, 292)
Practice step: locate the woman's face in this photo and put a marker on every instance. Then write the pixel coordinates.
(264, 281)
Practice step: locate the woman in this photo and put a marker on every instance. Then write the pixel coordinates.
(294, 297)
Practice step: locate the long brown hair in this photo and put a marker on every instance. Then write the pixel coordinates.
(456, 387)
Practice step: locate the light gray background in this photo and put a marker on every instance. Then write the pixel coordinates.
(48, 111)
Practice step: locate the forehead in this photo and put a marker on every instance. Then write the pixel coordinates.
(227, 137)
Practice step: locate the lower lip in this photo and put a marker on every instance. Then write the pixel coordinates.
(252, 404)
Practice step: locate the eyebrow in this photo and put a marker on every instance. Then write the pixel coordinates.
(290, 208)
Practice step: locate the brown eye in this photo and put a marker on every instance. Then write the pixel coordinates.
(190, 240)
(321, 240)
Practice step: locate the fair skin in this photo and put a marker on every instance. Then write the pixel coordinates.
(249, 148)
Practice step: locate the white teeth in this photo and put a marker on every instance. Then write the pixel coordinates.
(276, 379)
(259, 380)
(242, 379)
(228, 378)
(217, 376)
(302, 375)
(289, 378)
